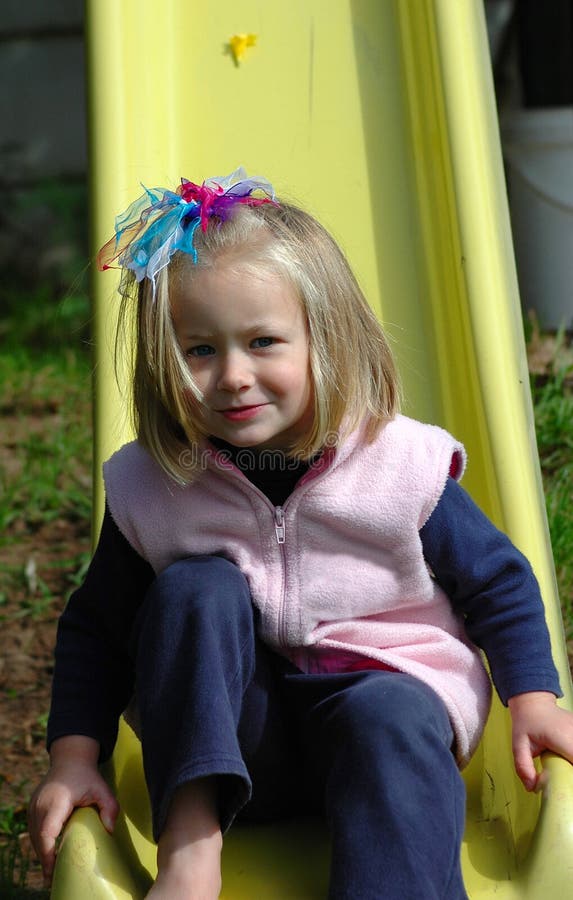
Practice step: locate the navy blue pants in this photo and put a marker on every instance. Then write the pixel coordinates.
(371, 750)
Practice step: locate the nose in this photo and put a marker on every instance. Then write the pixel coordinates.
(235, 372)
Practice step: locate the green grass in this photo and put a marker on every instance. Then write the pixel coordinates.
(553, 404)
(45, 476)
(36, 391)
(45, 380)
(43, 266)
(14, 859)
(14, 868)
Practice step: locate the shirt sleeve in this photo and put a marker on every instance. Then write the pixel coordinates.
(492, 584)
(93, 673)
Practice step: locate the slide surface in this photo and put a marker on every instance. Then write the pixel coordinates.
(379, 117)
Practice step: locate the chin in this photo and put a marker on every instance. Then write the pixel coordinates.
(240, 440)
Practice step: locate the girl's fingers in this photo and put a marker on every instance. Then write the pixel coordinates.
(108, 807)
(54, 801)
(524, 765)
(45, 839)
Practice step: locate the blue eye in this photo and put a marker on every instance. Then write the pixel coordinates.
(260, 343)
(200, 350)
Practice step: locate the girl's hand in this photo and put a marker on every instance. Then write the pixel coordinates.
(73, 780)
(538, 725)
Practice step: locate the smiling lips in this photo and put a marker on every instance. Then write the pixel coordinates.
(241, 413)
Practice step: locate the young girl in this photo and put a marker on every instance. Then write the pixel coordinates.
(290, 586)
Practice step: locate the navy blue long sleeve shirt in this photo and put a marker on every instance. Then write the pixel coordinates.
(486, 578)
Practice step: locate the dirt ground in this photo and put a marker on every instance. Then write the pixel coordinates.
(37, 565)
(28, 643)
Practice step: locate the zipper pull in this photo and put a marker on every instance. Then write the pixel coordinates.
(280, 524)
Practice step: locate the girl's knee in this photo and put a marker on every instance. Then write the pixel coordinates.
(409, 698)
(202, 583)
(200, 575)
(393, 706)
(200, 601)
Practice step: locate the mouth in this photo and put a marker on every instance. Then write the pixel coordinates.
(241, 413)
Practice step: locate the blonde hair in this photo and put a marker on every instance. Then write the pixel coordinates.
(352, 370)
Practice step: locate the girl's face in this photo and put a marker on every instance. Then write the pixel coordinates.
(245, 339)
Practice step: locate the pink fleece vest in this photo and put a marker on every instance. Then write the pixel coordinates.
(339, 569)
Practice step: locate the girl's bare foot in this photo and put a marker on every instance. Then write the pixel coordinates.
(189, 849)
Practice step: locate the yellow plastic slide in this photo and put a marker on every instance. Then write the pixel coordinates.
(378, 116)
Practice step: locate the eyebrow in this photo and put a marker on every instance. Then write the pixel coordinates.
(258, 327)
(196, 337)
(267, 326)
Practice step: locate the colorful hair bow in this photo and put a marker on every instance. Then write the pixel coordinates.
(161, 222)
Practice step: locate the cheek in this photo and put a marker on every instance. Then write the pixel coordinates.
(201, 378)
(301, 386)
(286, 378)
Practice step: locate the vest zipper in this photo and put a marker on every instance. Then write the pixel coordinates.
(280, 533)
(280, 528)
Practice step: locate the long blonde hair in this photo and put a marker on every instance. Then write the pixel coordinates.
(352, 368)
